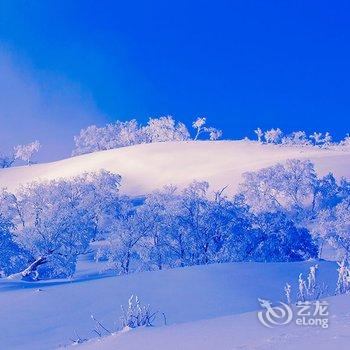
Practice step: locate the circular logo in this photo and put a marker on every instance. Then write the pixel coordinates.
(274, 315)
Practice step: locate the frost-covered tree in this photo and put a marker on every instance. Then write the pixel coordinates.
(279, 239)
(118, 134)
(338, 222)
(12, 256)
(99, 193)
(123, 244)
(343, 282)
(6, 161)
(26, 152)
(122, 134)
(160, 210)
(259, 133)
(56, 228)
(280, 187)
(55, 221)
(164, 129)
(327, 193)
(205, 226)
(327, 140)
(273, 135)
(346, 141)
(317, 138)
(199, 126)
(296, 138)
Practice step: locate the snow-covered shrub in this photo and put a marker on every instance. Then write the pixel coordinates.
(343, 282)
(309, 289)
(288, 291)
(137, 315)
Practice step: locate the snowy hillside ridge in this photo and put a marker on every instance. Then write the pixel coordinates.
(147, 167)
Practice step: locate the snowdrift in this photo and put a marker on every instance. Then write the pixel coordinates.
(147, 167)
(235, 332)
(45, 315)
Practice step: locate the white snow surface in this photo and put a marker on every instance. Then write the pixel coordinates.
(237, 332)
(46, 314)
(147, 167)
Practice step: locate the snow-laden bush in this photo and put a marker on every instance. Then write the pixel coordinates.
(343, 282)
(137, 315)
(308, 289)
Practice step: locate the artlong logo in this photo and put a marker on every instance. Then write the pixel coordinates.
(274, 315)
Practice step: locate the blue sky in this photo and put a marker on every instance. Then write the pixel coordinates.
(242, 64)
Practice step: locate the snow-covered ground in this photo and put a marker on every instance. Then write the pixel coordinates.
(206, 307)
(237, 332)
(46, 315)
(147, 167)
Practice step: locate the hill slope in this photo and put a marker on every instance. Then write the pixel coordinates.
(147, 167)
(237, 332)
(46, 314)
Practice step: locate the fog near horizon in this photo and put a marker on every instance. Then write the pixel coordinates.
(36, 105)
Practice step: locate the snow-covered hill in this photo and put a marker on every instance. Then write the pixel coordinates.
(147, 167)
(46, 314)
(206, 307)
